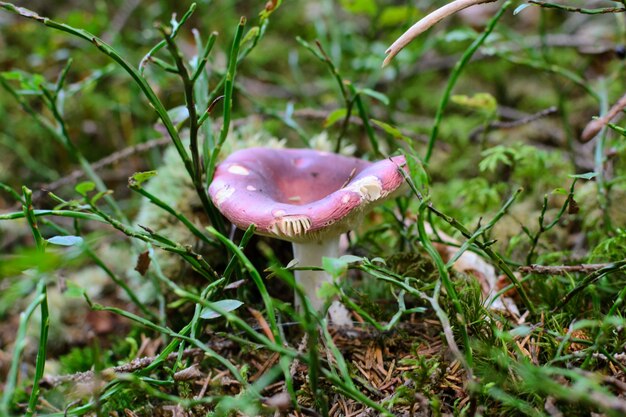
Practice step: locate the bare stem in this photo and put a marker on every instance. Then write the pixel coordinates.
(426, 23)
(563, 7)
(514, 123)
(595, 126)
(561, 269)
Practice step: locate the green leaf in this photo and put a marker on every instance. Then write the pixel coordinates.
(417, 172)
(483, 102)
(11, 265)
(30, 83)
(460, 35)
(334, 266)
(368, 7)
(393, 131)
(65, 240)
(12, 75)
(585, 176)
(292, 264)
(84, 187)
(99, 195)
(521, 331)
(327, 290)
(74, 290)
(395, 15)
(226, 305)
(351, 259)
(252, 33)
(335, 116)
(561, 191)
(178, 114)
(376, 95)
(494, 156)
(139, 178)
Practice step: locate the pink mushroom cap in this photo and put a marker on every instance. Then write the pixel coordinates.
(300, 195)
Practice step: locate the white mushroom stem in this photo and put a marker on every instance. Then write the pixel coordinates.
(311, 254)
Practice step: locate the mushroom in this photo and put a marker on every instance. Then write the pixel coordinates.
(306, 197)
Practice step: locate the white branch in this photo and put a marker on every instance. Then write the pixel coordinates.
(426, 23)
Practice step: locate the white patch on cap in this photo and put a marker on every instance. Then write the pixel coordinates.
(369, 188)
(279, 213)
(223, 195)
(238, 170)
(251, 188)
(345, 199)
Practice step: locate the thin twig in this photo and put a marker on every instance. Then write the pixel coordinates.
(104, 162)
(590, 279)
(596, 125)
(135, 365)
(561, 269)
(603, 10)
(514, 123)
(426, 23)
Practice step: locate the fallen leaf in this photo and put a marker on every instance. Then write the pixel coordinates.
(143, 263)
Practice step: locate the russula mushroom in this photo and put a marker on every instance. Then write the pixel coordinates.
(306, 197)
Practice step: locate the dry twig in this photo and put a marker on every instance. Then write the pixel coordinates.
(604, 10)
(596, 125)
(426, 23)
(561, 269)
(514, 123)
(104, 162)
(132, 366)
